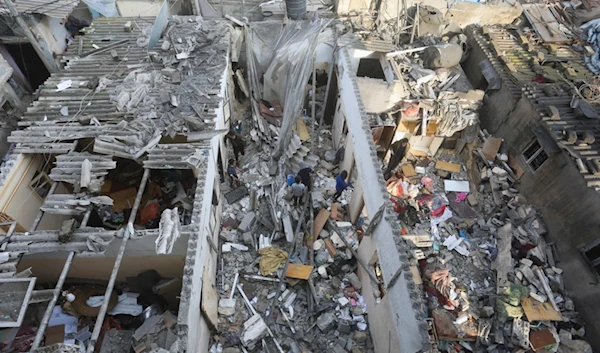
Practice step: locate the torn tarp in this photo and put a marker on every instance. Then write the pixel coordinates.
(169, 231)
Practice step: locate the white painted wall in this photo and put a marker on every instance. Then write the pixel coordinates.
(20, 201)
(53, 33)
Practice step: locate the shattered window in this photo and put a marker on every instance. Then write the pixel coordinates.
(535, 155)
(41, 183)
(592, 254)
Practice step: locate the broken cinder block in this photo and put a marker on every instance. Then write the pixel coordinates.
(128, 27)
(247, 222)
(226, 307)
(254, 329)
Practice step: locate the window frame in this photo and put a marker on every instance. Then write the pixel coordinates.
(535, 154)
(593, 263)
(47, 182)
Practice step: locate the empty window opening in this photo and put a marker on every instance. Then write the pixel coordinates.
(592, 255)
(41, 182)
(534, 155)
(368, 67)
(29, 62)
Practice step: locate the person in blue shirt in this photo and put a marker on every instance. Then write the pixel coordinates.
(232, 172)
(341, 184)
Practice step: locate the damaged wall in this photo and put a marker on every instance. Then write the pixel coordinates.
(99, 268)
(568, 206)
(19, 200)
(379, 96)
(461, 12)
(399, 324)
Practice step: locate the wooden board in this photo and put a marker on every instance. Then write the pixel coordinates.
(298, 271)
(544, 23)
(542, 339)
(447, 166)
(337, 212)
(491, 146)
(408, 170)
(302, 130)
(330, 247)
(320, 221)
(210, 299)
(536, 311)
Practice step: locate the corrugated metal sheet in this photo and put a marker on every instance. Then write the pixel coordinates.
(53, 8)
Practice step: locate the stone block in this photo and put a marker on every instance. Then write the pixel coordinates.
(254, 329)
(325, 322)
(226, 307)
(247, 222)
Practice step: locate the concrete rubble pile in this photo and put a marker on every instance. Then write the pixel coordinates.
(274, 291)
(492, 282)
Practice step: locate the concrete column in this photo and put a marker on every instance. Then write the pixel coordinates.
(44, 55)
(12, 97)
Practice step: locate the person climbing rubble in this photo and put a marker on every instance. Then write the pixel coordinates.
(298, 189)
(341, 184)
(232, 169)
(305, 174)
(237, 143)
(398, 150)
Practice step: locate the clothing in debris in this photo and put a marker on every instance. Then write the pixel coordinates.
(237, 143)
(398, 149)
(341, 184)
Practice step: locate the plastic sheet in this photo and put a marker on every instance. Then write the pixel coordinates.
(107, 8)
(285, 69)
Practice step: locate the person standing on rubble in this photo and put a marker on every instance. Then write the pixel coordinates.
(298, 191)
(237, 143)
(232, 172)
(398, 149)
(304, 174)
(341, 184)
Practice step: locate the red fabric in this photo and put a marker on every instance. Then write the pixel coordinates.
(438, 212)
(149, 213)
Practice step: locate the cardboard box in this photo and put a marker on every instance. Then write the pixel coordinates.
(123, 199)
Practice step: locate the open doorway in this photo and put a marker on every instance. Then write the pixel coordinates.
(29, 62)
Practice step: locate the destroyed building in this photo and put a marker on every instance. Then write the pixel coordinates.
(110, 137)
(130, 226)
(534, 91)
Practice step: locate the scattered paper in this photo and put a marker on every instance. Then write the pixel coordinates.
(64, 85)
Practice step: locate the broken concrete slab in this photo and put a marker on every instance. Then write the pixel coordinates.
(255, 328)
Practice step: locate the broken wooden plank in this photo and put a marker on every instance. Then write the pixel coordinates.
(302, 130)
(298, 271)
(330, 247)
(408, 170)
(491, 146)
(320, 221)
(447, 166)
(536, 311)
